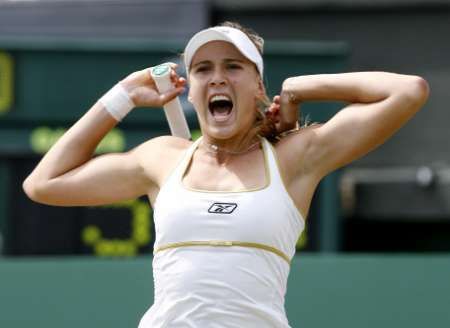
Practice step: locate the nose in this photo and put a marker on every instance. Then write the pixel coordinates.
(217, 78)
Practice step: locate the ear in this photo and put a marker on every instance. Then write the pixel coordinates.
(261, 90)
(261, 87)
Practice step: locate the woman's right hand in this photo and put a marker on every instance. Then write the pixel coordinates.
(143, 91)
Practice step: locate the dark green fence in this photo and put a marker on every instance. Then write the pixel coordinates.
(323, 291)
(47, 84)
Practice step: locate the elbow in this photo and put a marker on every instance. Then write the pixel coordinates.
(44, 191)
(416, 91)
(33, 191)
(29, 188)
(421, 88)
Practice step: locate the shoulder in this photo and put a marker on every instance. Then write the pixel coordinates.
(164, 144)
(295, 151)
(159, 156)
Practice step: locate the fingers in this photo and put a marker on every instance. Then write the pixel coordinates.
(273, 111)
(288, 111)
(171, 94)
(173, 73)
(180, 82)
(175, 79)
(144, 92)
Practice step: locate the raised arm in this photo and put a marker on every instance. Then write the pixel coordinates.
(68, 175)
(379, 104)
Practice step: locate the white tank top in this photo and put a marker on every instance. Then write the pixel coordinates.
(221, 259)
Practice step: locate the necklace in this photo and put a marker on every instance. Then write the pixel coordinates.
(215, 149)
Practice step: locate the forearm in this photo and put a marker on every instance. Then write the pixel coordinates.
(360, 87)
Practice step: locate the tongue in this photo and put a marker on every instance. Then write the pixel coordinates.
(221, 113)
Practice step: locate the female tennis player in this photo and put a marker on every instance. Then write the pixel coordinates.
(229, 207)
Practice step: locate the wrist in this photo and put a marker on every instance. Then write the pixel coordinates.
(291, 90)
(117, 102)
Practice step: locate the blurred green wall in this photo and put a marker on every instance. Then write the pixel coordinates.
(324, 291)
(46, 84)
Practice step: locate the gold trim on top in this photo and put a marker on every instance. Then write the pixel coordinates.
(266, 172)
(216, 243)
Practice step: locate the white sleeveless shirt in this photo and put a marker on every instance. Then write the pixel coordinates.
(221, 259)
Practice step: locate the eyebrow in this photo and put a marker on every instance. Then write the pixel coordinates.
(226, 60)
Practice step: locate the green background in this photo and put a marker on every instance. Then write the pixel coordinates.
(57, 80)
(369, 291)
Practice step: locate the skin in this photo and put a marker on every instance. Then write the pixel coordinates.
(379, 104)
(219, 68)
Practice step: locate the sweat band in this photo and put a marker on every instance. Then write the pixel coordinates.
(228, 34)
(117, 102)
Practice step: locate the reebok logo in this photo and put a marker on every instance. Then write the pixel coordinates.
(222, 208)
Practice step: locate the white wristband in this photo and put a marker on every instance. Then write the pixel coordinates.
(117, 102)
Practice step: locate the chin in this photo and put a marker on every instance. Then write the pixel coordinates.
(221, 133)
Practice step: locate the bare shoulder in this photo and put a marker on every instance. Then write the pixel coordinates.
(159, 156)
(294, 151)
(164, 143)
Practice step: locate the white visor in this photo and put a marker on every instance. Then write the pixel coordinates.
(223, 33)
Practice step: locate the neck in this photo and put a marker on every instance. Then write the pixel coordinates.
(238, 146)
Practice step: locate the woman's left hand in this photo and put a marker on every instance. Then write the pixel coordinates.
(283, 112)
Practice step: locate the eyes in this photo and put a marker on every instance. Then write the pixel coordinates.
(204, 68)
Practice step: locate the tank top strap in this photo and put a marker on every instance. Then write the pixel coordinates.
(272, 161)
(181, 166)
(277, 183)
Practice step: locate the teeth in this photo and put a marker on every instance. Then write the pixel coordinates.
(219, 97)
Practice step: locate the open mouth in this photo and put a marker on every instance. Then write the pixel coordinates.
(220, 106)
